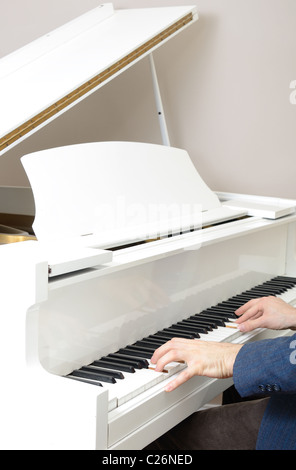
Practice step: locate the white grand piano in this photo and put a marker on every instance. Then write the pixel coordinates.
(124, 260)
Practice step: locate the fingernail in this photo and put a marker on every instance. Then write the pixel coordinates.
(241, 327)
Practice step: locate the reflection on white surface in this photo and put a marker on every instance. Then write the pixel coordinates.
(85, 320)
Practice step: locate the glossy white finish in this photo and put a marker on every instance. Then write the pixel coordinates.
(130, 300)
(162, 194)
(268, 210)
(158, 102)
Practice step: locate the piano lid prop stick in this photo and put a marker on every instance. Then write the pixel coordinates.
(158, 101)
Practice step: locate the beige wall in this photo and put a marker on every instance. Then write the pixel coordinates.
(225, 88)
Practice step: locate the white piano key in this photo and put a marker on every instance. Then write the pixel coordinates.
(130, 386)
(133, 385)
(223, 333)
(170, 369)
(112, 402)
(143, 379)
(289, 296)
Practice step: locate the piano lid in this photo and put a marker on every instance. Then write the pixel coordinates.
(119, 193)
(48, 76)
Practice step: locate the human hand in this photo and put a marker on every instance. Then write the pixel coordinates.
(266, 312)
(204, 358)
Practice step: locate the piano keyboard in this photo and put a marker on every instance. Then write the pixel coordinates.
(128, 372)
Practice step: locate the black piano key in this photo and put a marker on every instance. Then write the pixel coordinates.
(258, 294)
(274, 286)
(174, 334)
(182, 331)
(154, 340)
(266, 286)
(284, 285)
(240, 299)
(109, 364)
(136, 362)
(274, 283)
(166, 336)
(265, 291)
(228, 306)
(82, 379)
(217, 313)
(289, 282)
(208, 324)
(212, 317)
(225, 310)
(243, 298)
(132, 352)
(278, 283)
(220, 313)
(199, 327)
(239, 296)
(231, 304)
(228, 310)
(146, 349)
(255, 291)
(162, 339)
(284, 279)
(189, 328)
(202, 325)
(93, 376)
(147, 344)
(97, 370)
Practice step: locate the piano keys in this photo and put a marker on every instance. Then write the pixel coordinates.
(213, 324)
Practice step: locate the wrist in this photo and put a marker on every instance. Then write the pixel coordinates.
(231, 358)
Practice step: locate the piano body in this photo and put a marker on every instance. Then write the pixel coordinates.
(130, 241)
(90, 289)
